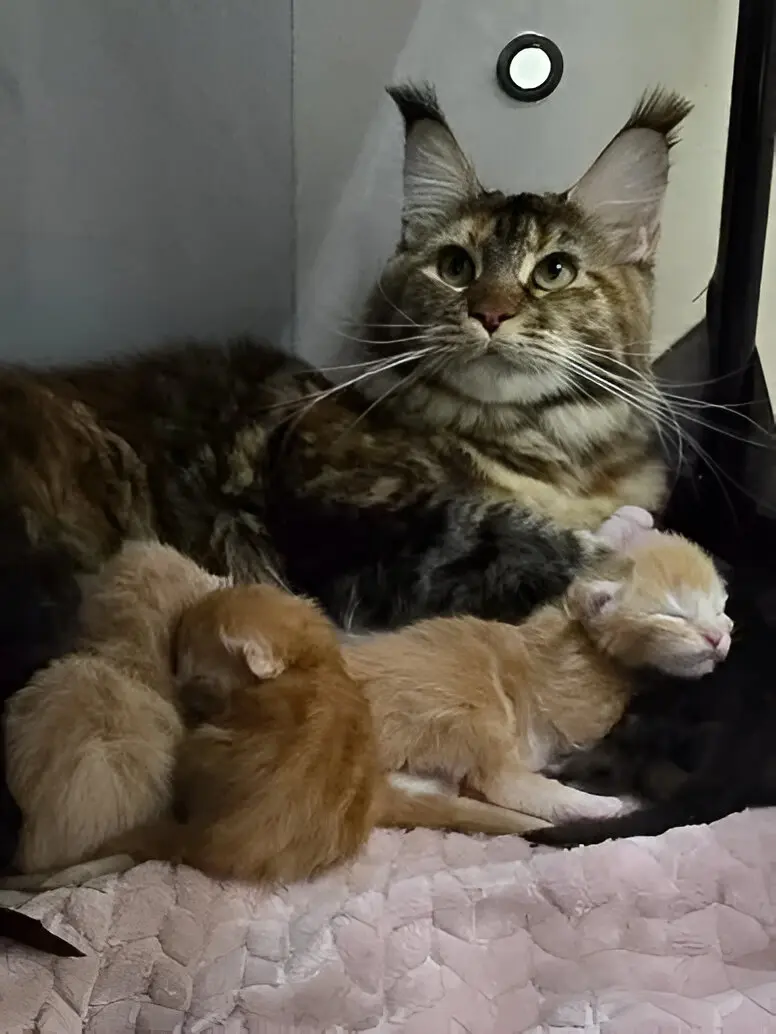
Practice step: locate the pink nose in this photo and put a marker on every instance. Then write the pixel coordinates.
(719, 640)
(492, 319)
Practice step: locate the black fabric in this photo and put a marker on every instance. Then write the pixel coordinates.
(39, 598)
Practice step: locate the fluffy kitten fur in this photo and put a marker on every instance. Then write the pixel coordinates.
(490, 704)
(90, 740)
(458, 490)
(455, 494)
(280, 776)
(285, 719)
(690, 757)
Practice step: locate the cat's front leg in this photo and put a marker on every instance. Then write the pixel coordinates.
(513, 786)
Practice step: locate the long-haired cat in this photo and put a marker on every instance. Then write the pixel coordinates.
(301, 752)
(90, 740)
(522, 322)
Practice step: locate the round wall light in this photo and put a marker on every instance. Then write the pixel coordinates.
(529, 67)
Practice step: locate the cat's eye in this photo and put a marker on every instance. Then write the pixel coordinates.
(455, 266)
(554, 272)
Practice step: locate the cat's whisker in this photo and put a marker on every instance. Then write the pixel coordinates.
(661, 397)
(362, 365)
(393, 304)
(401, 384)
(335, 389)
(374, 368)
(655, 409)
(427, 335)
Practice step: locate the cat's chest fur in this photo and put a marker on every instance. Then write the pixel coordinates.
(569, 461)
(574, 491)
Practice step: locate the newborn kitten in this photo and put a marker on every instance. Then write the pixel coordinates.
(490, 705)
(280, 775)
(90, 739)
(299, 749)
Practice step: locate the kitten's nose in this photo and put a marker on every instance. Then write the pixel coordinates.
(719, 640)
(491, 319)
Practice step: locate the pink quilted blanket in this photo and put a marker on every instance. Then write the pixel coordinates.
(425, 934)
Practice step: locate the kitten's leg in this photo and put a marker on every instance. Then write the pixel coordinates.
(407, 801)
(516, 787)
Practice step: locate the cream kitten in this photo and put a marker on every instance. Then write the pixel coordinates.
(91, 739)
(488, 705)
(294, 756)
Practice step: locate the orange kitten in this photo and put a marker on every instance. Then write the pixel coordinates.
(300, 755)
(280, 776)
(91, 739)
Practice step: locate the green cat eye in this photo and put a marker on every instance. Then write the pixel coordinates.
(554, 272)
(455, 266)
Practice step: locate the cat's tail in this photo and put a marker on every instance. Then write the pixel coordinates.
(408, 801)
(692, 806)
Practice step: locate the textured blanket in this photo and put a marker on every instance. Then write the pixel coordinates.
(425, 934)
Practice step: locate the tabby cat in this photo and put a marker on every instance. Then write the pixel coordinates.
(522, 325)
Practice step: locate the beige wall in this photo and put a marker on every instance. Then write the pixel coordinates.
(348, 140)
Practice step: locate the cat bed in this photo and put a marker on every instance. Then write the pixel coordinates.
(425, 933)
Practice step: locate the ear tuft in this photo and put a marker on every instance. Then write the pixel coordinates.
(438, 177)
(625, 186)
(662, 111)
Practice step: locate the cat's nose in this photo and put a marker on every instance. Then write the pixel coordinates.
(719, 640)
(491, 319)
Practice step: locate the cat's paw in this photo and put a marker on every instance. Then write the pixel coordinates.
(625, 527)
(595, 806)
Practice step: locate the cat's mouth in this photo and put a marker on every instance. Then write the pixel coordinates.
(694, 666)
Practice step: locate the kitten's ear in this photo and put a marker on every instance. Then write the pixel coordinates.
(587, 600)
(438, 177)
(625, 186)
(257, 652)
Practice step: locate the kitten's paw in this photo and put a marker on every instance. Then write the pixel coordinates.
(598, 807)
(635, 515)
(625, 526)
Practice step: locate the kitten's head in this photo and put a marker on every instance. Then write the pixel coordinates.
(527, 296)
(660, 605)
(248, 633)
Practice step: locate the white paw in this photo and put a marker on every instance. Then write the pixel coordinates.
(599, 807)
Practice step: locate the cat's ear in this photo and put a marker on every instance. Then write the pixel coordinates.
(438, 177)
(624, 187)
(263, 661)
(587, 600)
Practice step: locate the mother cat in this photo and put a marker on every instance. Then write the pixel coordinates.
(507, 408)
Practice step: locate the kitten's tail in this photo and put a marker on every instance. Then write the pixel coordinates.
(407, 802)
(693, 806)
